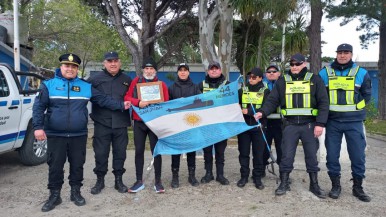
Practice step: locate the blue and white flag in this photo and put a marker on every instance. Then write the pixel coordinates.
(189, 124)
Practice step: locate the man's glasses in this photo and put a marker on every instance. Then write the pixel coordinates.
(296, 64)
(253, 77)
(271, 71)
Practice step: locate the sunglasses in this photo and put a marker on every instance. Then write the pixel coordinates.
(271, 71)
(253, 77)
(296, 64)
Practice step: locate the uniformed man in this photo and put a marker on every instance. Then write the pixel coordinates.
(304, 102)
(214, 79)
(274, 122)
(64, 125)
(254, 94)
(349, 88)
(110, 127)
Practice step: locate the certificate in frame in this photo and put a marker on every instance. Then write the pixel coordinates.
(151, 92)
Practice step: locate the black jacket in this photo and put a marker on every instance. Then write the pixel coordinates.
(182, 88)
(116, 87)
(249, 119)
(319, 100)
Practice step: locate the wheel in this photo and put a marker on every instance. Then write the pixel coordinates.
(32, 152)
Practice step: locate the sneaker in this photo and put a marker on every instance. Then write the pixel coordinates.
(159, 188)
(137, 186)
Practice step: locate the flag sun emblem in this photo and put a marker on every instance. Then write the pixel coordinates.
(192, 119)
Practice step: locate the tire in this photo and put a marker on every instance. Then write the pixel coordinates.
(32, 152)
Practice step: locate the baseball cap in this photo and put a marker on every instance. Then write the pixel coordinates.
(298, 57)
(344, 47)
(111, 55)
(183, 65)
(214, 64)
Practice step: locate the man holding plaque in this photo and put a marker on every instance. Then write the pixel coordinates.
(143, 91)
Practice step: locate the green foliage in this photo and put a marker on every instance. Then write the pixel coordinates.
(371, 111)
(61, 26)
(296, 39)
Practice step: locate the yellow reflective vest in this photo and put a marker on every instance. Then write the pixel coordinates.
(256, 98)
(206, 87)
(347, 84)
(298, 87)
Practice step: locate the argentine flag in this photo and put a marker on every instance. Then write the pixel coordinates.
(189, 124)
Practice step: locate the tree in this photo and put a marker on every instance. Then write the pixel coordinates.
(211, 13)
(140, 23)
(371, 13)
(314, 35)
(63, 26)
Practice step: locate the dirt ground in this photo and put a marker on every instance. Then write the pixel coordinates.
(23, 191)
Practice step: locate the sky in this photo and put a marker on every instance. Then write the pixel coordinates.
(334, 34)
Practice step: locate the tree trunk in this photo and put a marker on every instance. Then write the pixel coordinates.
(226, 34)
(260, 47)
(382, 65)
(314, 35)
(245, 49)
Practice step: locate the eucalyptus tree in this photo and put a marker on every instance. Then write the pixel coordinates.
(140, 23)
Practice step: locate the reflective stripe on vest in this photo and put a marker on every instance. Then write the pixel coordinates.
(256, 98)
(206, 87)
(345, 83)
(298, 87)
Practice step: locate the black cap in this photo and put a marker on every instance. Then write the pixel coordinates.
(182, 65)
(298, 57)
(273, 66)
(70, 58)
(149, 62)
(216, 64)
(256, 71)
(344, 47)
(112, 55)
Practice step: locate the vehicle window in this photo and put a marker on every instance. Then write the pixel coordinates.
(4, 89)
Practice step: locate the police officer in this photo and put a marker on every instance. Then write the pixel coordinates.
(252, 95)
(349, 88)
(304, 102)
(110, 127)
(274, 123)
(141, 131)
(183, 87)
(65, 98)
(213, 80)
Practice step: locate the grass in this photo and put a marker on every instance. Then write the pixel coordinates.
(376, 127)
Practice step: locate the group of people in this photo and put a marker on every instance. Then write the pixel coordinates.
(296, 105)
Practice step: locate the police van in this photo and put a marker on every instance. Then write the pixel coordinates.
(17, 94)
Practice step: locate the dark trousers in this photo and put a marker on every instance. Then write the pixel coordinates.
(292, 134)
(190, 157)
(103, 138)
(58, 150)
(141, 131)
(356, 145)
(219, 154)
(245, 140)
(274, 133)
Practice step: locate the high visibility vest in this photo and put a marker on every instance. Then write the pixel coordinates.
(347, 84)
(206, 87)
(275, 115)
(298, 87)
(256, 98)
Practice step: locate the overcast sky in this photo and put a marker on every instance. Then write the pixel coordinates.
(334, 34)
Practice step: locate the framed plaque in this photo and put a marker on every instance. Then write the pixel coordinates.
(150, 92)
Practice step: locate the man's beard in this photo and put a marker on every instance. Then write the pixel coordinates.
(149, 77)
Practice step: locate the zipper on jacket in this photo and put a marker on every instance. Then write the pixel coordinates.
(68, 108)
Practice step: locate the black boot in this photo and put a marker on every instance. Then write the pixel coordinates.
(99, 185)
(76, 197)
(119, 185)
(242, 182)
(258, 183)
(336, 188)
(284, 185)
(357, 190)
(208, 175)
(52, 201)
(192, 177)
(314, 186)
(175, 182)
